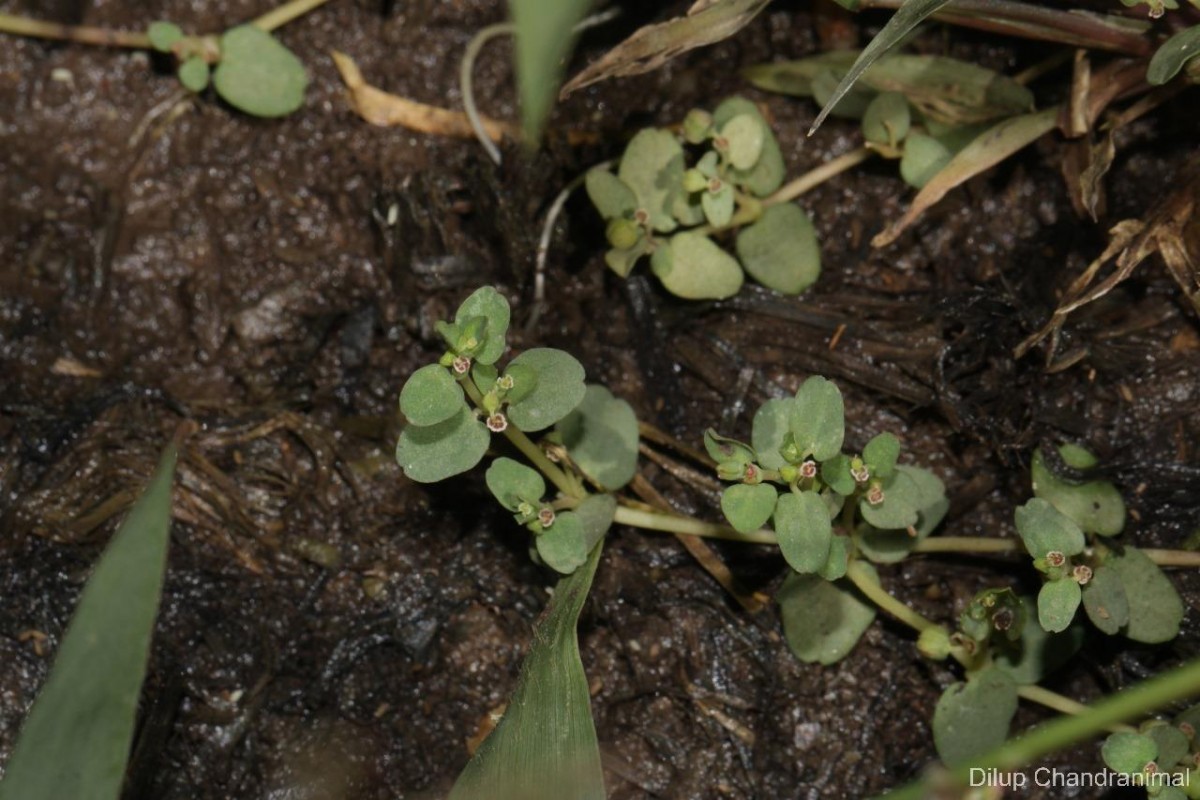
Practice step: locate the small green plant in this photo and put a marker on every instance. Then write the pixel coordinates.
(670, 197)
(246, 65)
(834, 514)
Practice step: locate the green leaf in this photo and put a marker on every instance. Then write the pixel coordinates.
(1128, 753)
(907, 17)
(770, 425)
(513, 483)
(563, 546)
(881, 454)
(718, 206)
(76, 739)
(432, 453)
(489, 304)
(748, 507)
(257, 74)
(1171, 744)
(836, 474)
(822, 620)
(1172, 55)
(545, 36)
(887, 119)
(1057, 603)
(601, 435)
(164, 35)
(924, 157)
(745, 134)
(804, 531)
(722, 449)
(931, 500)
(545, 746)
(839, 559)
(694, 268)
(431, 395)
(1095, 506)
(596, 512)
(1037, 653)
(780, 249)
(972, 718)
(949, 91)
(899, 507)
(1044, 529)
(611, 196)
(193, 74)
(559, 389)
(768, 172)
(622, 260)
(652, 167)
(1155, 609)
(1105, 601)
(819, 418)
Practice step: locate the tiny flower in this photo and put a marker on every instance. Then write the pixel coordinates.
(808, 469)
(497, 423)
(875, 495)
(1002, 620)
(751, 475)
(714, 185)
(1083, 574)
(505, 382)
(546, 516)
(642, 216)
(461, 364)
(525, 509)
(1055, 558)
(861, 474)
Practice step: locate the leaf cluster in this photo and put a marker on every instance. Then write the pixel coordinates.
(670, 198)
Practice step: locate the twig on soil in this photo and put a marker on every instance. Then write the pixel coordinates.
(814, 178)
(285, 13)
(84, 34)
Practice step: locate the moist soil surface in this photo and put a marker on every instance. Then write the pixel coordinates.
(329, 628)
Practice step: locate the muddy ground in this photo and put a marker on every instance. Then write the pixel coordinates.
(330, 629)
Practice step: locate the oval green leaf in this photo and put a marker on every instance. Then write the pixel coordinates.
(899, 507)
(164, 35)
(652, 167)
(693, 267)
(804, 531)
(881, 454)
(513, 483)
(1172, 745)
(611, 196)
(1057, 603)
(1105, 601)
(780, 249)
(601, 435)
(818, 421)
(559, 389)
(839, 559)
(488, 303)
(193, 74)
(745, 135)
(1155, 608)
(596, 512)
(563, 546)
(768, 172)
(748, 507)
(1095, 506)
(257, 74)
(972, 718)
(1128, 753)
(836, 474)
(924, 157)
(1173, 54)
(718, 206)
(1044, 529)
(822, 621)
(431, 395)
(432, 453)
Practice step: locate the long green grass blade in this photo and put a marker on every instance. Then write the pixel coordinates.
(545, 36)
(76, 739)
(910, 14)
(545, 746)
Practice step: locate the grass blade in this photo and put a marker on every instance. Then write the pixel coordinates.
(545, 36)
(907, 17)
(75, 742)
(545, 747)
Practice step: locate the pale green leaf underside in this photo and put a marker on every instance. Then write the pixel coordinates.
(258, 75)
(780, 249)
(804, 531)
(972, 718)
(822, 621)
(75, 742)
(429, 454)
(601, 435)
(818, 418)
(559, 388)
(430, 395)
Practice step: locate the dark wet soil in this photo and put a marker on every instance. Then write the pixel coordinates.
(330, 629)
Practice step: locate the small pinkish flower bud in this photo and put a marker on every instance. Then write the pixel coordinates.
(1083, 574)
(461, 364)
(1055, 559)
(497, 423)
(546, 516)
(808, 469)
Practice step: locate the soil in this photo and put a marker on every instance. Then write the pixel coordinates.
(330, 629)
